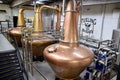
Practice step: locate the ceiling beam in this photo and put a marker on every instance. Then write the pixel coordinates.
(95, 2)
(16, 3)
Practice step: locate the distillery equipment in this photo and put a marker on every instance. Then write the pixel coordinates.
(38, 39)
(68, 58)
(57, 28)
(116, 39)
(17, 31)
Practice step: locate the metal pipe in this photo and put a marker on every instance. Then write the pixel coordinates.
(38, 24)
(103, 18)
(80, 17)
(34, 3)
(63, 8)
(66, 57)
(74, 2)
(37, 35)
(58, 18)
(21, 21)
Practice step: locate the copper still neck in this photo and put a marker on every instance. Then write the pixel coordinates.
(70, 33)
(38, 24)
(21, 21)
(68, 58)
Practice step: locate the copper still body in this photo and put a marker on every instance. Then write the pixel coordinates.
(68, 58)
(17, 32)
(38, 39)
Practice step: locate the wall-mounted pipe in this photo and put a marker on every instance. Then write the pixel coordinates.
(63, 8)
(103, 19)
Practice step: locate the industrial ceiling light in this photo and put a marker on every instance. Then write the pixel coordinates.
(39, 2)
(1, 1)
(43, 0)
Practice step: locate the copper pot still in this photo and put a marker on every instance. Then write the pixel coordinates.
(38, 41)
(17, 32)
(38, 38)
(68, 58)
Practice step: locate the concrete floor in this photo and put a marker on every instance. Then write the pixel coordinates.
(46, 73)
(114, 78)
(42, 71)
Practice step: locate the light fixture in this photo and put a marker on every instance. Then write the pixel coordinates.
(39, 2)
(43, 0)
(1, 1)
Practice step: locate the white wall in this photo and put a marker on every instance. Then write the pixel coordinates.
(95, 12)
(7, 15)
(110, 20)
(10, 12)
(28, 14)
(46, 17)
(112, 12)
(15, 11)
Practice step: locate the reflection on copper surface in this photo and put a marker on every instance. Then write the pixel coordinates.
(16, 32)
(58, 18)
(38, 24)
(68, 59)
(40, 40)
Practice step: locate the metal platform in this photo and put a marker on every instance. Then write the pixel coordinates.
(11, 67)
(5, 46)
(44, 70)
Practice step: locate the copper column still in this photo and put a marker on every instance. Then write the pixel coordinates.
(68, 58)
(16, 32)
(39, 39)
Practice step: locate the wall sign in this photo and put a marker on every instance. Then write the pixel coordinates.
(88, 26)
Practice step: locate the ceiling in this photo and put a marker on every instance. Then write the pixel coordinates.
(29, 2)
(10, 1)
(7, 1)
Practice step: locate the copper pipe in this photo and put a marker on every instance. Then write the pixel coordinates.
(68, 58)
(41, 40)
(58, 18)
(38, 24)
(21, 21)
